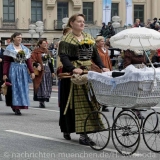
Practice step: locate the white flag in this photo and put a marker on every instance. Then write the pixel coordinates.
(129, 18)
(106, 11)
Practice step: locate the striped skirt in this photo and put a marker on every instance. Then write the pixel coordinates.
(45, 88)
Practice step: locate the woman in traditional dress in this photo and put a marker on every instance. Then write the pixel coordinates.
(74, 60)
(42, 83)
(15, 70)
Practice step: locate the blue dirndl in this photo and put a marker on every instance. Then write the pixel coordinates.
(19, 76)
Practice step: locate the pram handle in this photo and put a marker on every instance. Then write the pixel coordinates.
(68, 75)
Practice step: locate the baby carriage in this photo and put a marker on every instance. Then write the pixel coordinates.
(136, 89)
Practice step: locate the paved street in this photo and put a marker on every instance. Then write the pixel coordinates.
(36, 136)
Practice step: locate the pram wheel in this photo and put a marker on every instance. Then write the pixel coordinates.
(126, 134)
(97, 129)
(151, 131)
(128, 111)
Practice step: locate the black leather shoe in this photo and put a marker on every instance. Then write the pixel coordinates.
(67, 136)
(41, 105)
(17, 112)
(105, 109)
(86, 142)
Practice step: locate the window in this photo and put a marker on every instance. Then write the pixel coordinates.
(139, 12)
(88, 11)
(114, 10)
(8, 10)
(62, 12)
(36, 10)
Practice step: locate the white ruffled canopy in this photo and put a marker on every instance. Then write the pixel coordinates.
(135, 38)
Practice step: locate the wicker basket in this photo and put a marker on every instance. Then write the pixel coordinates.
(127, 95)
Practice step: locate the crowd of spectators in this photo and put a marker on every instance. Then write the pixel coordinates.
(107, 31)
(153, 24)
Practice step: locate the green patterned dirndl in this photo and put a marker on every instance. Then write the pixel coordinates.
(83, 106)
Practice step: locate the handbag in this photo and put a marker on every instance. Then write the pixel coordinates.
(36, 72)
(4, 87)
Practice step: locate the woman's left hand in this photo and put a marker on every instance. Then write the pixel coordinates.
(105, 69)
(32, 75)
(53, 75)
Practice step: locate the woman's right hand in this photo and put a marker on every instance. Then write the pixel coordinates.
(78, 71)
(4, 77)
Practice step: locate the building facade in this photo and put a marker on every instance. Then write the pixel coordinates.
(142, 9)
(17, 15)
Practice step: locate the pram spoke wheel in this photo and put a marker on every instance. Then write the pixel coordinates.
(97, 129)
(126, 134)
(128, 111)
(151, 131)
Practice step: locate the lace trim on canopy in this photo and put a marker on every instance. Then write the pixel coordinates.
(131, 74)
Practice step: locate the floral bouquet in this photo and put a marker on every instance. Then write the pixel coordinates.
(86, 48)
(20, 56)
(46, 57)
(21, 53)
(86, 43)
